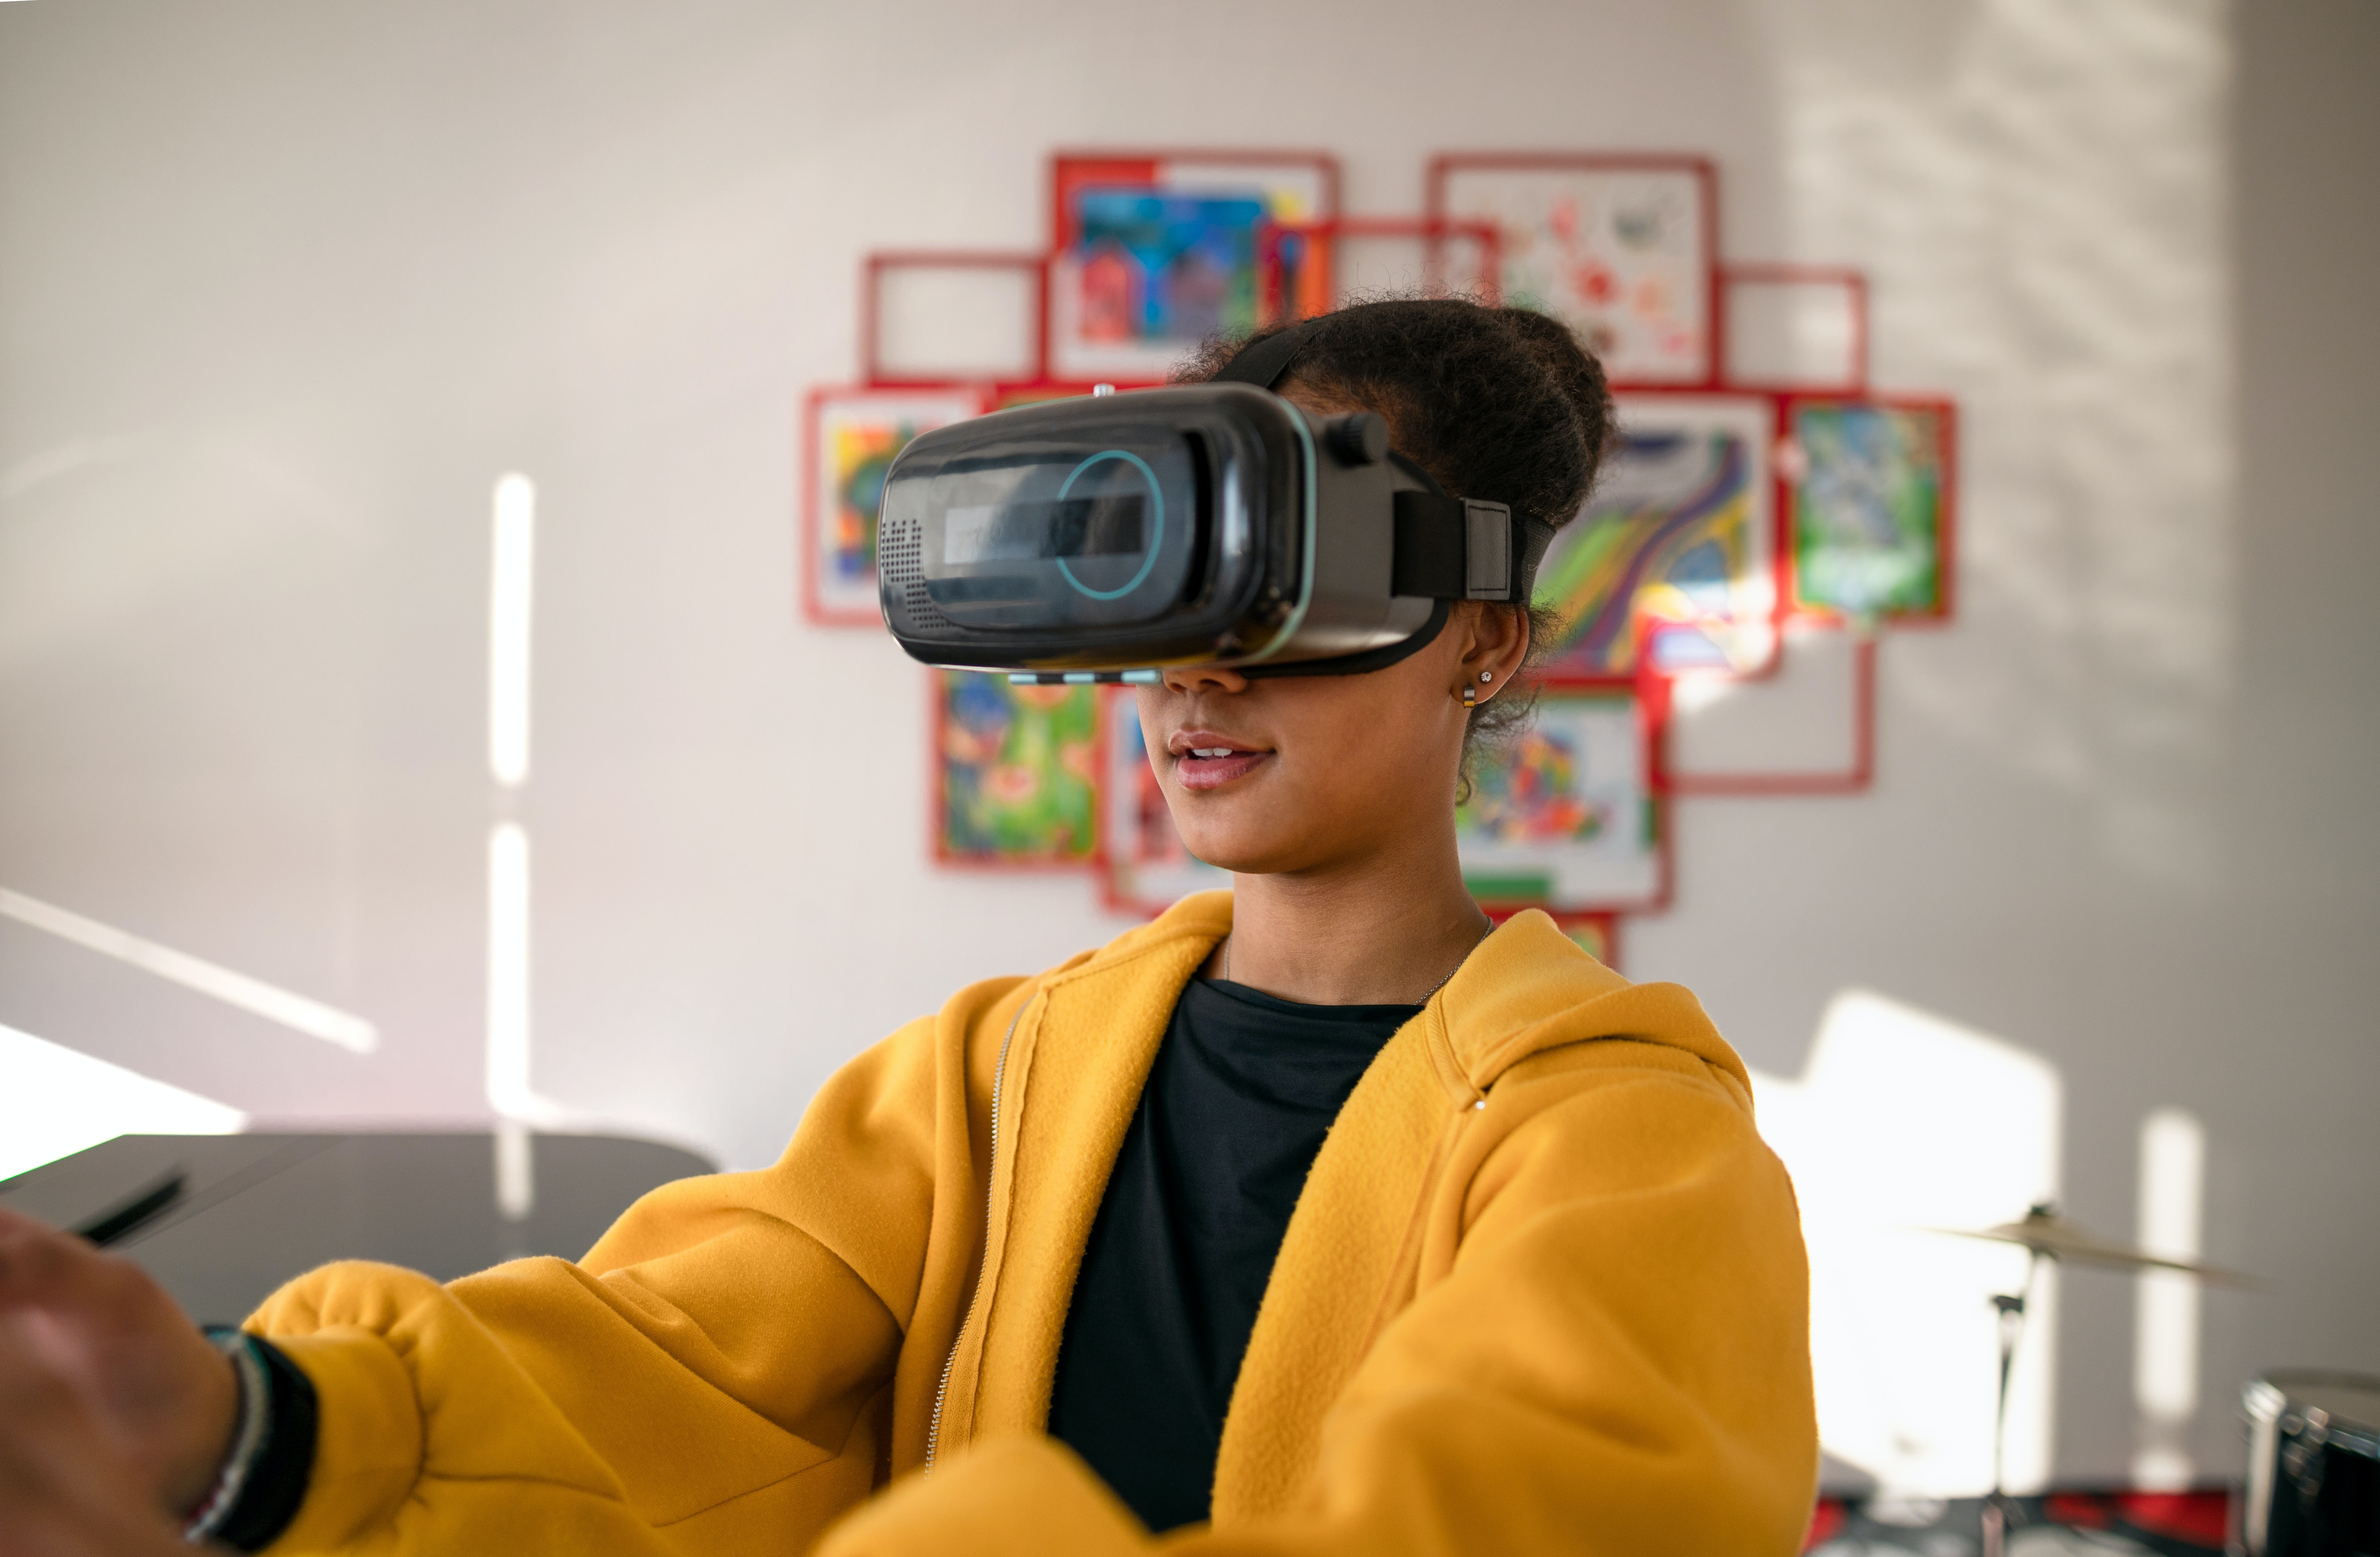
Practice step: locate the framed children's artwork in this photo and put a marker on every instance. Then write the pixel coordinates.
(853, 435)
(1152, 253)
(1675, 553)
(1017, 772)
(1145, 867)
(1564, 816)
(1872, 493)
(1622, 247)
(1597, 935)
(933, 317)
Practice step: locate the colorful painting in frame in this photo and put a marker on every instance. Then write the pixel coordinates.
(1597, 935)
(1154, 253)
(1621, 248)
(854, 433)
(1563, 817)
(1680, 534)
(1871, 499)
(1017, 772)
(1148, 868)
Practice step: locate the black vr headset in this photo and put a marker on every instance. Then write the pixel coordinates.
(1104, 538)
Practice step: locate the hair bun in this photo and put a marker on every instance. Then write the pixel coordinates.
(1573, 370)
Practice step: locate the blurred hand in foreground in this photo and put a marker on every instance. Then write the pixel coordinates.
(114, 1411)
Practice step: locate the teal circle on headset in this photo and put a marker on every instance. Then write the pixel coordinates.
(1155, 491)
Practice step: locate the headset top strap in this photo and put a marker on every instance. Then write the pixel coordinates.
(1267, 363)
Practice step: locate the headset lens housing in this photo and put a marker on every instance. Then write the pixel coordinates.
(1091, 532)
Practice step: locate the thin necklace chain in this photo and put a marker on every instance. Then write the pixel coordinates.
(1433, 989)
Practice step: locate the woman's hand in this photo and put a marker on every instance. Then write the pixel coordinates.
(93, 1353)
(67, 1486)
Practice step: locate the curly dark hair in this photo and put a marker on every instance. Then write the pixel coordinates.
(1502, 404)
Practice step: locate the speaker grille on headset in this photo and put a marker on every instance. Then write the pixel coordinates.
(898, 547)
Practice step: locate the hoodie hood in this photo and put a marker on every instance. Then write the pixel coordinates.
(1528, 989)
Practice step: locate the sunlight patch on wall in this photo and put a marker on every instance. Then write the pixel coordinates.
(1904, 1121)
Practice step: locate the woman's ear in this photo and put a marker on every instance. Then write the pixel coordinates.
(1495, 641)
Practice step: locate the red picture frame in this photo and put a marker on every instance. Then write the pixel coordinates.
(1643, 629)
(1647, 712)
(871, 312)
(1158, 168)
(1859, 778)
(938, 792)
(1945, 535)
(1073, 168)
(1446, 165)
(1758, 273)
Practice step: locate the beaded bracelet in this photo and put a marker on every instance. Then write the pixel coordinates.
(255, 1419)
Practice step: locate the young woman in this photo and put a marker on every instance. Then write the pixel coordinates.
(1312, 1217)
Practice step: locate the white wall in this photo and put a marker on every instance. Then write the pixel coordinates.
(283, 288)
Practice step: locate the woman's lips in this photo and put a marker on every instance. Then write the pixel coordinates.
(1203, 760)
(1212, 773)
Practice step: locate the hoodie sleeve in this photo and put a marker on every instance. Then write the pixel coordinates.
(716, 1375)
(1612, 1358)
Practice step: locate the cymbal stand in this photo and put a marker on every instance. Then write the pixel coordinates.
(2010, 1306)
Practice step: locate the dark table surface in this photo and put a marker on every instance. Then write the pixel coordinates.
(256, 1210)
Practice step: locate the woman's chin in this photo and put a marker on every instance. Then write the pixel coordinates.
(1250, 850)
(1233, 850)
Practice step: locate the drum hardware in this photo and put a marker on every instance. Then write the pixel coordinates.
(2044, 1234)
(2047, 1234)
(2314, 1466)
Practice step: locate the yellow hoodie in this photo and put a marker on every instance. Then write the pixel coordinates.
(1544, 1291)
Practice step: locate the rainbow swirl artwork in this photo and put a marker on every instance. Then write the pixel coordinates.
(1679, 530)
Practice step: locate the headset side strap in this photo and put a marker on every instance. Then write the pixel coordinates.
(1454, 548)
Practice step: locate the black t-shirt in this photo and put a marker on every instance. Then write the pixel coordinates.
(1243, 1088)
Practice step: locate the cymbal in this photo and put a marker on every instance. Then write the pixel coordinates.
(2046, 1233)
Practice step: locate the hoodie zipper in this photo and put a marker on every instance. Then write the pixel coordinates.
(975, 1301)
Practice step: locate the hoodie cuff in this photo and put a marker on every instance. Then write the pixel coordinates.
(367, 1437)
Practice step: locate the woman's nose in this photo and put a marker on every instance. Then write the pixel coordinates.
(1204, 677)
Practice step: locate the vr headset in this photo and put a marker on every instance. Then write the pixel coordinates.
(1105, 538)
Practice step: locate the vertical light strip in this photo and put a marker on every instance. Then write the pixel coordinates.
(508, 629)
(516, 1171)
(2165, 1336)
(511, 573)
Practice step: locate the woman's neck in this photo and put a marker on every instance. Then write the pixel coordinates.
(1382, 931)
